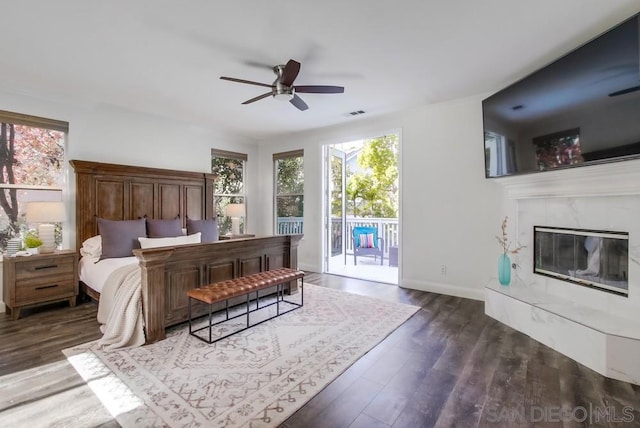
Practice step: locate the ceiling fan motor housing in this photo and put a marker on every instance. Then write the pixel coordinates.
(281, 92)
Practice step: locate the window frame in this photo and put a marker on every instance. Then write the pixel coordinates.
(223, 220)
(41, 123)
(277, 157)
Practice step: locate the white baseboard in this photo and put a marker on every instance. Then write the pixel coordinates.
(448, 289)
(309, 267)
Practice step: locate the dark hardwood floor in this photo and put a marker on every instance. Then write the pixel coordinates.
(448, 366)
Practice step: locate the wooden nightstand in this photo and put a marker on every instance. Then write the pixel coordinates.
(39, 279)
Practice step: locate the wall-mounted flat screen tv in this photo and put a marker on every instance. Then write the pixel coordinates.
(582, 109)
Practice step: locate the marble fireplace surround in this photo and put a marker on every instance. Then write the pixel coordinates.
(598, 329)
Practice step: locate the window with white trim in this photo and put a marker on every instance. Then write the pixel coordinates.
(288, 170)
(31, 169)
(229, 170)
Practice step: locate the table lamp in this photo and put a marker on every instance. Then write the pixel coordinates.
(46, 213)
(235, 211)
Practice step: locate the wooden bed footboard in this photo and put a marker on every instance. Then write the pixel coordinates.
(168, 273)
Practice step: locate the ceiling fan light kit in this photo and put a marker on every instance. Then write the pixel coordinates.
(283, 96)
(283, 89)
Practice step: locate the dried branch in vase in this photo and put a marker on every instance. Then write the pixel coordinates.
(504, 242)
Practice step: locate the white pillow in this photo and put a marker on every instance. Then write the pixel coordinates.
(169, 242)
(92, 247)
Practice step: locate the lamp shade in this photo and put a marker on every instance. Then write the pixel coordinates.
(235, 210)
(45, 212)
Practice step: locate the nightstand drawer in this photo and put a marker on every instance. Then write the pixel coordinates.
(44, 267)
(44, 280)
(43, 292)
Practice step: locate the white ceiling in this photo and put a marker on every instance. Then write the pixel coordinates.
(165, 57)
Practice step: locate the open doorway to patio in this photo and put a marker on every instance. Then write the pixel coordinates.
(362, 208)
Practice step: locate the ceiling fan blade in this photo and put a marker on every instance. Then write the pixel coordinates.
(258, 64)
(259, 97)
(290, 72)
(297, 101)
(320, 89)
(249, 82)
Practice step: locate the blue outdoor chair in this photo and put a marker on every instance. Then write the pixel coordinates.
(366, 243)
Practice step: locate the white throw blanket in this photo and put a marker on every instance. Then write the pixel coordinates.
(120, 309)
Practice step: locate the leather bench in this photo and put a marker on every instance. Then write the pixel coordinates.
(244, 286)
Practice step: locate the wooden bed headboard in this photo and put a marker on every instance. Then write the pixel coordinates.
(122, 192)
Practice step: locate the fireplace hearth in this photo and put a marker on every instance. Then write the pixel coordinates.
(591, 258)
(577, 318)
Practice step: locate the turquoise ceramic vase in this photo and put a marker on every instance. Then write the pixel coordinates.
(504, 269)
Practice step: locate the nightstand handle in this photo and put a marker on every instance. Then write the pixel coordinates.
(46, 267)
(44, 287)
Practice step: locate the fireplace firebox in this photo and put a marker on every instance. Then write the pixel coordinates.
(591, 258)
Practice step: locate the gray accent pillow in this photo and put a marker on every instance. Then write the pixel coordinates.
(164, 228)
(120, 237)
(208, 229)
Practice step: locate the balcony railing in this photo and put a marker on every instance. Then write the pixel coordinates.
(387, 229)
(289, 225)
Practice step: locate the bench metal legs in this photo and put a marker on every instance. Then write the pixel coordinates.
(280, 298)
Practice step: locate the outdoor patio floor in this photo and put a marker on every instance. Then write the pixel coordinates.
(367, 268)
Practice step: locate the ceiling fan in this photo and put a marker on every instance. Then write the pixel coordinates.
(283, 89)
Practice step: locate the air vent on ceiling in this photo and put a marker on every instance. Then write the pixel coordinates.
(356, 113)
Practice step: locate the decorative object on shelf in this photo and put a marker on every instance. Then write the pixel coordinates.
(46, 213)
(32, 243)
(235, 211)
(504, 269)
(504, 262)
(13, 246)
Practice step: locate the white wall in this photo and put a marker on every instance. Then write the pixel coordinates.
(449, 212)
(107, 133)
(110, 134)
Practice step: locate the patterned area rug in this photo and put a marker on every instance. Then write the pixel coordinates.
(255, 378)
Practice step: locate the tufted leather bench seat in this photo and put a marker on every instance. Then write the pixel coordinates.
(224, 290)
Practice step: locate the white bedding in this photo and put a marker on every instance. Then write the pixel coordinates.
(120, 309)
(95, 274)
(118, 280)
